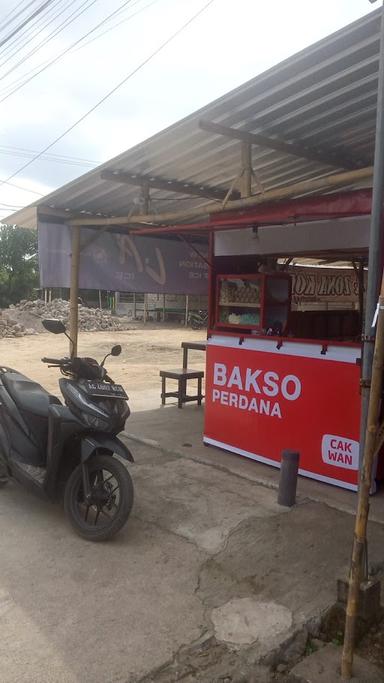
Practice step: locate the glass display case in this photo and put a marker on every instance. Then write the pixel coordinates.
(257, 302)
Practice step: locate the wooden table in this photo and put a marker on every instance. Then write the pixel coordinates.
(192, 346)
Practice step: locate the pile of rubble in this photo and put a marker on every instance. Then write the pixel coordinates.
(12, 328)
(25, 317)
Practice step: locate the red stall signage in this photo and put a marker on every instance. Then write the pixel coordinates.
(262, 401)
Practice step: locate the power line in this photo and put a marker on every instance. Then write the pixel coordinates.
(113, 90)
(22, 152)
(30, 33)
(18, 82)
(12, 18)
(20, 187)
(69, 20)
(26, 21)
(61, 54)
(11, 206)
(16, 48)
(121, 11)
(28, 29)
(123, 21)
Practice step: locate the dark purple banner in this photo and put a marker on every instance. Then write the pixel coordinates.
(121, 262)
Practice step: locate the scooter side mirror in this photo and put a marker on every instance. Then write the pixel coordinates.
(115, 351)
(53, 325)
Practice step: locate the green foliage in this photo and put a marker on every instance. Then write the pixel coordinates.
(309, 648)
(18, 264)
(338, 639)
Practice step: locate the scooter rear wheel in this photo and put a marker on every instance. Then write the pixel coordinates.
(111, 500)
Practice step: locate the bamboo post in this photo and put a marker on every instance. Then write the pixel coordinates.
(145, 312)
(74, 291)
(362, 512)
(163, 308)
(361, 292)
(145, 198)
(144, 208)
(186, 309)
(246, 164)
(100, 301)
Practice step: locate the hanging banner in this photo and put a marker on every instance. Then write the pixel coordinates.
(261, 399)
(122, 262)
(324, 285)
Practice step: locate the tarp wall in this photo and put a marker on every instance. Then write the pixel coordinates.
(120, 262)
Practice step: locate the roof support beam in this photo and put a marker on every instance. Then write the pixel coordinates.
(322, 184)
(183, 187)
(328, 158)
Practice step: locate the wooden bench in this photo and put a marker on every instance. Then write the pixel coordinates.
(181, 376)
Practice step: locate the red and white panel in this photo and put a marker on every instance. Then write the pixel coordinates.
(261, 399)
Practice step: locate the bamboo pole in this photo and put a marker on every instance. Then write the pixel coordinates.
(74, 291)
(362, 513)
(145, 198)
(246, 164)
(297, 189)
(361, 293)
(145, 311)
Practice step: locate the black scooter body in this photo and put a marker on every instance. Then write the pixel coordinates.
(42, 440)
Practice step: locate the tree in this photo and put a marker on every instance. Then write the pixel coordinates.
(18, 264)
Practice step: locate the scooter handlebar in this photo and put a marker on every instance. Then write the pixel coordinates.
(56, 361)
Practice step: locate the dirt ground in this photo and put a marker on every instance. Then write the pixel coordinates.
(145, 350)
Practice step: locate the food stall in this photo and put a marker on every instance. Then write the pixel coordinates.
(272, 382)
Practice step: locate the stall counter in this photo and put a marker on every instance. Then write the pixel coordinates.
(264, 395)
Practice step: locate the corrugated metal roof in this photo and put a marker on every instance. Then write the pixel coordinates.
(324, 97)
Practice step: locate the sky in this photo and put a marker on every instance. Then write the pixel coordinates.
(226, 45)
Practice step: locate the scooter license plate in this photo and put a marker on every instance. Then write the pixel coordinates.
(94, 388)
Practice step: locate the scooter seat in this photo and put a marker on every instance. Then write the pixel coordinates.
(28, 395)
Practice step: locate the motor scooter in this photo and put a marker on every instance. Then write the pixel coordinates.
(198, 319)
(68, 452)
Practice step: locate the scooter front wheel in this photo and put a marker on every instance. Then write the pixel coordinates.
(195, 325)
(110, 502)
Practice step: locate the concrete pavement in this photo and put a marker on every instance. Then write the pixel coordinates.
(180, 432)
(92, 613)
(208, 576)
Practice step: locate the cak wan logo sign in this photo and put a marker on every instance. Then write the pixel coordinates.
(340, 452)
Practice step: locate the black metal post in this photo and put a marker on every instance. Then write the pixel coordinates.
(288, 478)
(375, 248)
